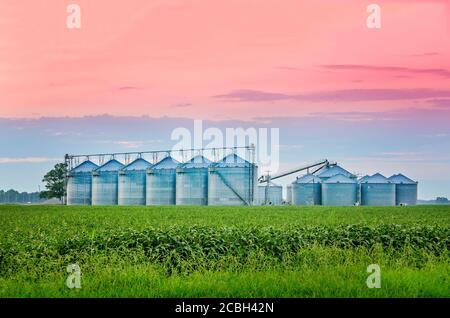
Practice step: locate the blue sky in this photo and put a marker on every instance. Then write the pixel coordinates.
(416, 143)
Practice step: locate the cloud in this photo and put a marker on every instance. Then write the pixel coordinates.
(428, 71)
(440, 102)
(129, 88)
(182, 105)
(4, 160)
(346, 95)
(425, 54)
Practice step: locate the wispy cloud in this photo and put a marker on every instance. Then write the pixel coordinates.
(4, 160)
(346, 95)
(352, 67)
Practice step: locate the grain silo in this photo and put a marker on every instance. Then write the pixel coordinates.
(289, 194)
(405, 190)
(273, 192)
(332, 171)
(231, 181)
(79, 184)
(192, 182)
(132, 180)
(105, 183)
(161, 182)
(377, 190)
(307, 190)
(339, 190)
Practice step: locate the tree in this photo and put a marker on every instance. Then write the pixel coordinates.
(55, 182)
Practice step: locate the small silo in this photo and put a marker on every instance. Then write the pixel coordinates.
(192, 182)
(405, 190)
(377, 190)
(79, 184)
(231, 181)
(331, 171)
(132, 180)
(161, 182)
(105, 183)
(274, 194)
(289, 194)
(339, 190)
(307, 190)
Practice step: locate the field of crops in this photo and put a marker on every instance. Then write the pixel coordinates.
(224, 251)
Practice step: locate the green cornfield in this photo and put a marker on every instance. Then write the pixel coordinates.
(181, 251)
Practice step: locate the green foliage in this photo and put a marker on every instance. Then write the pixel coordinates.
(55, 182)
(224, 251)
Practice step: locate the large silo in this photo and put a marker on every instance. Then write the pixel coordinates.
(307, 190)
(161, 182)
(331, 171)
(192, 182)
(105, 183)
(79, 184)
(377, 190)
(132, 180)
(231, 181)
(274, 194)
(405, 190)
(339, 191)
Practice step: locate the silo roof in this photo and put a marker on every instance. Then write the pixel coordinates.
(166, 163)
(339, 178)
(197, 162)
(363, 179)
(400, 178)
(308, 178)
(138, 164)
(85, 166)
(232, 161)
(332, 171)
(111, 165)
(377, 178)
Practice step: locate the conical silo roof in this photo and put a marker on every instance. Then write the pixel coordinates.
(138, 164)
(334, 170)
(111, 165)
(363, 179)
(308, 178)
(400, 178)
(86, 166)
(166, 163)
(377, 178)
(232, 161)
(339, 178)
(196, 162)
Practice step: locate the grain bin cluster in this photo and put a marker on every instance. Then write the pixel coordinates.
(232, 181)
(332, 185)
(198, 181)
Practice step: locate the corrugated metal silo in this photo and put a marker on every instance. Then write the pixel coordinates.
(377, 190)
(161, 182)
(331, 171)
(79, 184)
(231, 181)
(192, 182)
(307, 190)
(132, 179)
(274, 194)
(405, 190)
(105, 183)
(289, 194)
(339, 191)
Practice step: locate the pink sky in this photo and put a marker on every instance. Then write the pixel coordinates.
(227, 59)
